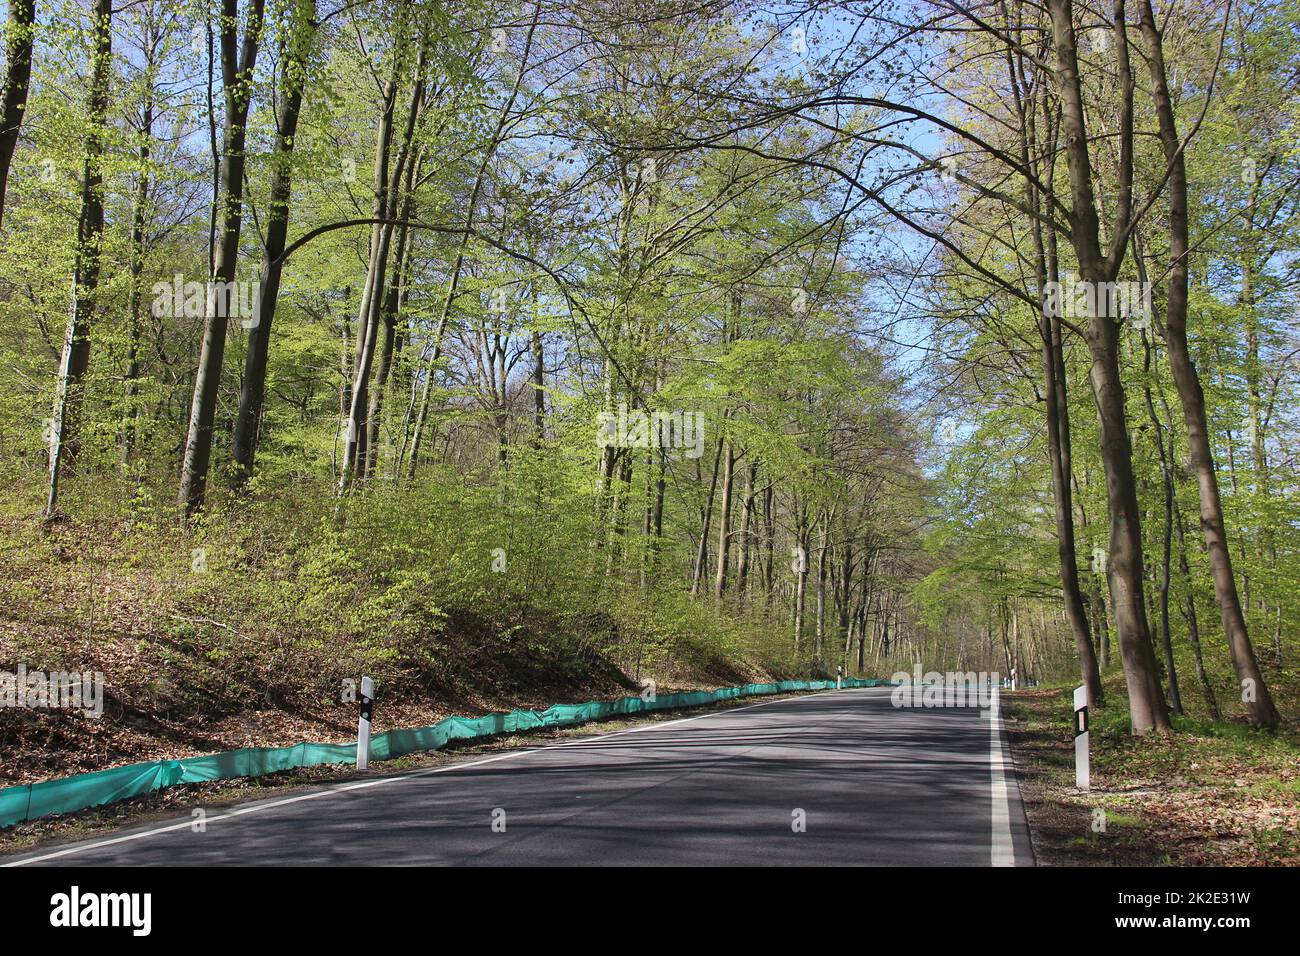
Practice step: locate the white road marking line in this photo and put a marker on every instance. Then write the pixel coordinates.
(1003, 851)
(362, 784)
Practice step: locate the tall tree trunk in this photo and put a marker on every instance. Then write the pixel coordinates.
(252, 392)
(66, 424)
(823, 547)
(868, 594)
(1193, 625)
(706, 521)
(883, 614)
(1097, 615)
(1038, 139)
(419, 408)
(1266, 547)
(769, 546)
(746, 523)
(388, 176)
(1058, 448)
(18, 76)
(724, 522)
(844, 593)
(1147, 708)
(1167, 479)
(391, 315)
(1255, 694)
(539, 390)
(139, 218)
(1100, 623)
(801, 573)
(237, 75)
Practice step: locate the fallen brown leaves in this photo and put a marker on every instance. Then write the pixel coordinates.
(1210, 795)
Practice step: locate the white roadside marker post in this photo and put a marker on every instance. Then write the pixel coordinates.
(839, 677)
(365, 706)
(1082, 776)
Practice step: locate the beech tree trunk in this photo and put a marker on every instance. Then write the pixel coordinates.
(706, 522)
(390, 313)
(1167, 482)
(252, 392)
(1147, 708)
(724, 522)
(1057, 417)
(746, 524)
(64, 433)
(18, 77)
(801, 573)
(1255, 694)
(139, 219)
(368, 312)
(418, 412)
(236, 73)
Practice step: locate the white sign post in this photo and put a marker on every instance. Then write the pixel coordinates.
(1082, 776)
(365, 706)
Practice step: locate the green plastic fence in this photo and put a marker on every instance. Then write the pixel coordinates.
(31, 801)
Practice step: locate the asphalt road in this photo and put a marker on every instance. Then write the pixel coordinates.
(873, 785)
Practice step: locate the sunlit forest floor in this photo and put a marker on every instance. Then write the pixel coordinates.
(1213, 794)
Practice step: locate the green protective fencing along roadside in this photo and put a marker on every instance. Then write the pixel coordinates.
(67, 794)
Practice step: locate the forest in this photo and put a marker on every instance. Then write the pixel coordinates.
(523, 345)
